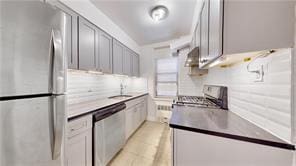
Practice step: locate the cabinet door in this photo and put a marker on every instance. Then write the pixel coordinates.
(129, 122)
(127, 62)
(145, 109)
(105, 52)
(197, 36)
(137, 117)
(204, 34)
(135, 68)
(191, 46)
(118, 51)
(193, 42)
(258, 25)
(143, 112)
(71, 37)
(215, 28)
(88, 48)
(79, 149)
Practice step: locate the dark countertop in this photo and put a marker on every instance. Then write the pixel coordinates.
(223, 123)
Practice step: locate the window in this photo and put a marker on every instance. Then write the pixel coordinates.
(166, 77)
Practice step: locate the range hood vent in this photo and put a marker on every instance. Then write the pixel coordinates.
(192, 59)
(192, 62)
(195, 71)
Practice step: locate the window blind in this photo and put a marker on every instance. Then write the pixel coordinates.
(166, 77)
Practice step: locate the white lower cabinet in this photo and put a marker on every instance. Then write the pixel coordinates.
(79, 134)
(129, 122)
(79, 142)
(143, 108)
(196, 149)
(135, 115)
(137, 118)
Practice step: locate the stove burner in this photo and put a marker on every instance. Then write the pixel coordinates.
(196, 101)
(214, 97)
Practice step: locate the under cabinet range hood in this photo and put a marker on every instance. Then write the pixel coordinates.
(192, 59)
(196, 71)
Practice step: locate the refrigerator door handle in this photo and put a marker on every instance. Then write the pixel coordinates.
(57, 64)
(58, 125)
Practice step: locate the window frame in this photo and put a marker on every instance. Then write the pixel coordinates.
(156, 77)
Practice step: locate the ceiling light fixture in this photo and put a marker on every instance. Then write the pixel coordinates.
(159, 13)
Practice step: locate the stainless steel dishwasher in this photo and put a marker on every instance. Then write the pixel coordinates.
(109, 133)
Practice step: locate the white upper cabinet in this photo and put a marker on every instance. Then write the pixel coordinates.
(118, 51)
(72, 32)
(197, 35)
(204, 33)
(88, 45)
(92, 49)
(127, 62)
(105, 52)
(233, 27)
(135, 65)
(257, 25)
(215, 28)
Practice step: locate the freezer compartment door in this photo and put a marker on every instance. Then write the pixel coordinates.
(32, 131)
(32, 37)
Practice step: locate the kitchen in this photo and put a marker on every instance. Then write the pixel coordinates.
(150, 82)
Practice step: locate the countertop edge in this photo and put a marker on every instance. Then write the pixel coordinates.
(132, 98)
(90, 112)
(286, 146)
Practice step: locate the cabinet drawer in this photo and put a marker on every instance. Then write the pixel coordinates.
(79, 125)
(135, 102)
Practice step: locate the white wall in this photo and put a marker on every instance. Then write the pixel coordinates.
(268, 103)
(82, 86)
(86, 9)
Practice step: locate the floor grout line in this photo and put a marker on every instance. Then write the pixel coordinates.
(157, 150)
(161, 144)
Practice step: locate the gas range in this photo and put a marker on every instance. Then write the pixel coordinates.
(214, 97)
(195, 101)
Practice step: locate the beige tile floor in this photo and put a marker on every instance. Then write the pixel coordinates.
(148, 146)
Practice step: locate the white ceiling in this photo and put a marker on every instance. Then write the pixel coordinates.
(132, 16)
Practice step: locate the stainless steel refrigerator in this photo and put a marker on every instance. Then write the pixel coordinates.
(32, 84)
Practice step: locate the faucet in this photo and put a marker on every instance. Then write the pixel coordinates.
(122, 87)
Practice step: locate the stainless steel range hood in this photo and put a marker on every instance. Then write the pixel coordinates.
(192, 61)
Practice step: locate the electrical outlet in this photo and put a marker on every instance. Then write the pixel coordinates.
(260, 74)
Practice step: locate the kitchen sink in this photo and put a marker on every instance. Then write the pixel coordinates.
(120, 97)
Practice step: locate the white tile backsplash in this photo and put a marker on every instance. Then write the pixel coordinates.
(267, 103)
(83, 86)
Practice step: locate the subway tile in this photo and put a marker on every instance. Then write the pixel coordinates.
(82, 87)
(267, 103)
